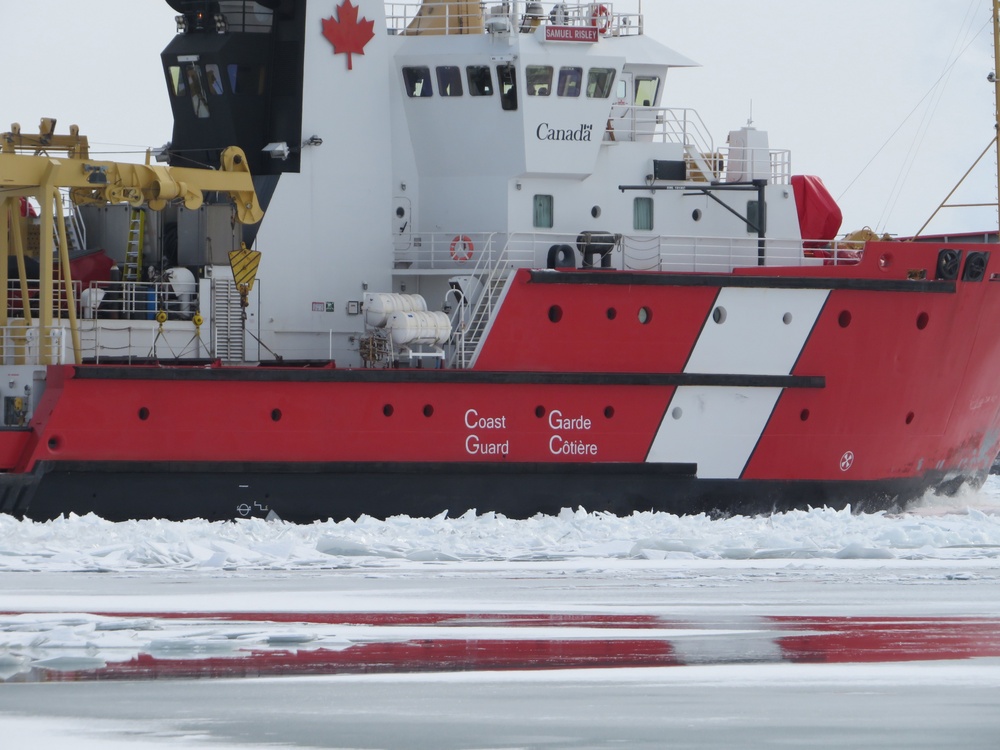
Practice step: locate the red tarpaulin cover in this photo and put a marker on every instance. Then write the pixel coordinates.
(819, 215)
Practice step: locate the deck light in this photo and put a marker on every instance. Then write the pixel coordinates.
(277, 150)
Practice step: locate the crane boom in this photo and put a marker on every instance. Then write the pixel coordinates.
(40, 165)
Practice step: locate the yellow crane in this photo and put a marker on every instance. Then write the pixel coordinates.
(40, 165)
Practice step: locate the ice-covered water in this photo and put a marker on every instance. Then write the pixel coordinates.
(962, 527)
(816, 628)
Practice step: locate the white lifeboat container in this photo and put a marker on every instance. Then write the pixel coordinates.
(419, 328)
(379, 306)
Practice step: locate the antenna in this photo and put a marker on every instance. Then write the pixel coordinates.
(750, 119)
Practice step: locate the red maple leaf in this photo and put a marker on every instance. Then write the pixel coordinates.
(348, 35)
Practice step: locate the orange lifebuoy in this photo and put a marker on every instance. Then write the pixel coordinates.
(462, 248)
(601, 18)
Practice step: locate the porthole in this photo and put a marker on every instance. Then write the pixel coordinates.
(922, 320)
(143, 413)
(804, 415)
(54, 443)
(645, 315)
(786, 319)
(612, 313)
(596, 212)
(677, 413)
(609, 412)
(696, 214)
(555, 313)
(539, 411)
(844, 319)
(885, 261)
(388, 410)
(428, 410)
(275, 415)
(910, 417)
(400, 212)
(719, 315)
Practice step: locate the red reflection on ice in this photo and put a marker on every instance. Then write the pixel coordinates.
(388, 619)
(386, 649)
(844, 640)
(409, 656)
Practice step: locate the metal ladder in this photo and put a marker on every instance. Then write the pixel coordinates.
(132, 270)
(481, 316)
(76, 232)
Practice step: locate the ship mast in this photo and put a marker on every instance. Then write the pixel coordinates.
(996, 89)
(994, 146)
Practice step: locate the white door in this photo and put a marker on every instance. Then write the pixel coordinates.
(402, 230)
(622, 113)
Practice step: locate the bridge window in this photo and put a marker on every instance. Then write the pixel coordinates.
(246, 79)
(214, 79)
(570, 81)
(507, 82)
(417, 80)
(539, 80)
(543, 213)
(449, 80)
(646, 90)
(600, 82)
(177, 81)
(188, 81)
(480, 80)
(642, 214)
(196, 87)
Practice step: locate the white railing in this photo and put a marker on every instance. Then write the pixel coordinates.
(102, 340)
(684, 127)
(459, 254)
(723, 254)
(474, 16)
(16, 297)
(136, 300)
(120, 340)
(663, 125)
(632, 252)
(127, 300)
(471, 318)
(20, 344)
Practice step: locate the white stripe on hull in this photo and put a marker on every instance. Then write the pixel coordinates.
(748, 332)
(762, 331)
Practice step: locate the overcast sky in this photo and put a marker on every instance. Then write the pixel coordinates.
(886, 100)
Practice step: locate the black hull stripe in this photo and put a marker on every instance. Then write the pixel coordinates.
(370, 467)
(307, 493)
(421, 376)
(626, 278)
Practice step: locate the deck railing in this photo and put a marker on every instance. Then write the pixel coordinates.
(706, 162)
(101, 340)
(16, 297)
(461, 253)
(23, 344)
(431, 253)
(476, 17)
(127, 300)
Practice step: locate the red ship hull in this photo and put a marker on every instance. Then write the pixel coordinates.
(608, 390)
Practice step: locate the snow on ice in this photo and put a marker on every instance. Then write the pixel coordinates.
(817, 628)
(965, 527)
